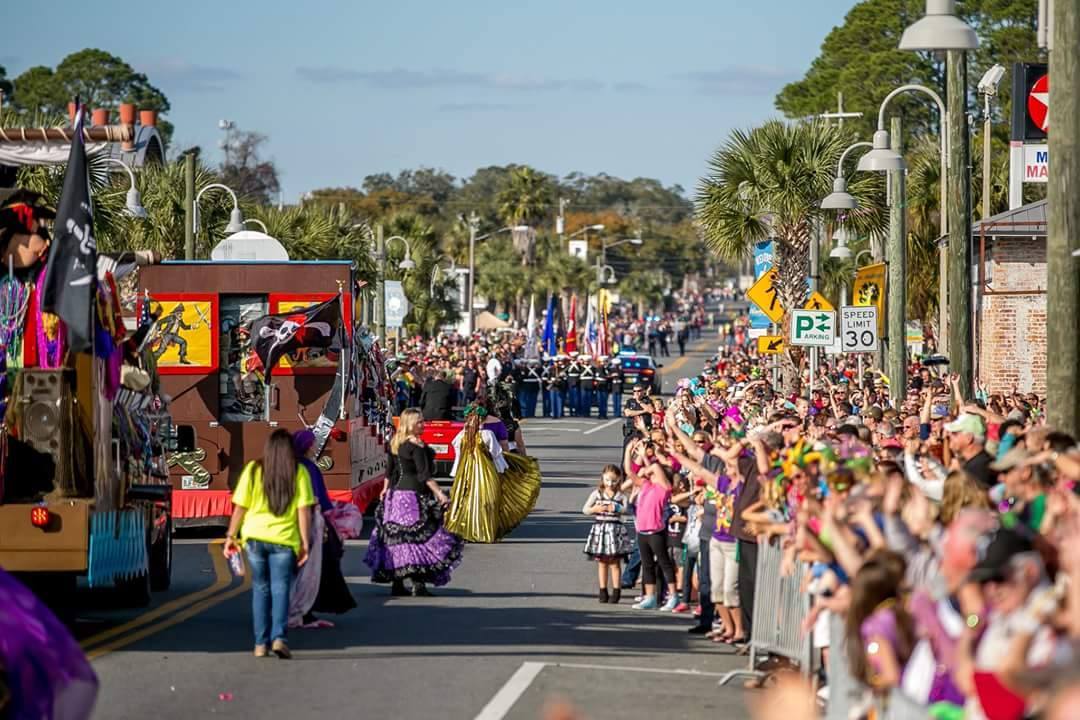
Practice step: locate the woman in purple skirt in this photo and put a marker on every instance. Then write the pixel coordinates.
(409, 540)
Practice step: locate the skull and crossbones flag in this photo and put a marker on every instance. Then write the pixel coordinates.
(274, 336)
(71, 270)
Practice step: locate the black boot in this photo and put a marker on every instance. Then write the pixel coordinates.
(419, 589)
(616, 596)
(603, 596)
(398, 589)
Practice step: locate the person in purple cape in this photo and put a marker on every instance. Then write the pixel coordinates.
(43, 672)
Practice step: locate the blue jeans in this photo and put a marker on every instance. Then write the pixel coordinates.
(633, 563)
(272, 569)
(616, 403)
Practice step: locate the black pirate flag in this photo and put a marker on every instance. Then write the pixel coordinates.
(71, 272)
(274, 336)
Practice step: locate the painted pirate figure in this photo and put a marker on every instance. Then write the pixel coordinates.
(171, 325)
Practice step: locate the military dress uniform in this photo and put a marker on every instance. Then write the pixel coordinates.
(531, 384)
(601, 388)
(573, 386)
(616, 378)
(560, 389)
(588, 375)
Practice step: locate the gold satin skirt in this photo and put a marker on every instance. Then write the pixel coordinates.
(475, 498)
(520, 490)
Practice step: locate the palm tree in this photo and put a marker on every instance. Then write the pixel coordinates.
(527, 199)
(768, 183)
(500, 278)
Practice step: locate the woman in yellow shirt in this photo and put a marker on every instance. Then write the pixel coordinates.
(267, 515)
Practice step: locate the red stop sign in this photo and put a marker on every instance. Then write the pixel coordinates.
(1038, 103)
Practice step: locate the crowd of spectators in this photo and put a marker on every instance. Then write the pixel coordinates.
(937, 531)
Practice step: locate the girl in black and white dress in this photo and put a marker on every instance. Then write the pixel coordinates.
(609, 543)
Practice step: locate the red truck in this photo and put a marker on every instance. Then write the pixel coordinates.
(440, 434)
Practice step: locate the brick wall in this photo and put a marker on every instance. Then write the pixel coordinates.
(1012, 328)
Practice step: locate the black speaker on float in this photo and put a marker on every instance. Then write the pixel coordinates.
(45, 419)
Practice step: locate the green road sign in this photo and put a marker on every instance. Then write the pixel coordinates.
(813, 328)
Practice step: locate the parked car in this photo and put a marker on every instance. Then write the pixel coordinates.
(641, 369)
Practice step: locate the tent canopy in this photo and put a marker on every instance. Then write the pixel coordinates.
(487, 321)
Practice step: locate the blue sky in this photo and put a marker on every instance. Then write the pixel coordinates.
(346, 89)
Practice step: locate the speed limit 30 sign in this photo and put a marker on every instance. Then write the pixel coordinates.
(859, 329)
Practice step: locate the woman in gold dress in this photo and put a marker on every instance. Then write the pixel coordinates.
(493, 491)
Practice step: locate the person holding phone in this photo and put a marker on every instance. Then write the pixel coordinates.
(609, 543)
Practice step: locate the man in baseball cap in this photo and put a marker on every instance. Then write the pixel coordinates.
(1024, 484)
(967, 438)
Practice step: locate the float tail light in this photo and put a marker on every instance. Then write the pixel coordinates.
(40, 516)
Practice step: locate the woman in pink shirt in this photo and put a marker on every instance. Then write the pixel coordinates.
(653, 494)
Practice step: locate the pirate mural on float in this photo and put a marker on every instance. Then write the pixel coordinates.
(184, 332)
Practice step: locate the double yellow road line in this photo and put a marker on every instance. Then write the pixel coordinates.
(171, 613)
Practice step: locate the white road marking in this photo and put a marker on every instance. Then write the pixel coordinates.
(623, 668)
(504, 700)
(608, 424)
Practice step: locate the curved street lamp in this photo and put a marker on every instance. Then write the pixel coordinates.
(840, 198)
(133, 204)
(236, 218)
(407, 263)
(258, 222)
(939, 29)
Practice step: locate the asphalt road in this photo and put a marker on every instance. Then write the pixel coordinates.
(518, 627)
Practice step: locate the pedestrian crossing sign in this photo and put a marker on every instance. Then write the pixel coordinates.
(763, 294)
(817, 301)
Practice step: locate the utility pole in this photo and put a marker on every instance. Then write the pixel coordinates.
(840, 114)
(380, 287)
(474, 226)
(189, 205)
(1062, 271)
(896, 282)
(959, 222)
(560, 222)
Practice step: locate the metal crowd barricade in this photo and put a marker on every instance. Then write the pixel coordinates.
(844, 691)
(779, 611)
(898, 706)
(847, 694)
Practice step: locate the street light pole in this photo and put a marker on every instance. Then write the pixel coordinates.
(189, 205)
(1063, 208)
(896, 294)
(380, 285)
(959, 191)
(474, 225)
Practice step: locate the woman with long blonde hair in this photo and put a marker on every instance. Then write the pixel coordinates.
(409, 541)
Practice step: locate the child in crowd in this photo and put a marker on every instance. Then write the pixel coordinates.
(677, 520)
(609, 542)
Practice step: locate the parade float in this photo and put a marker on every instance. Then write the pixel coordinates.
(84, 426)
(214, 315)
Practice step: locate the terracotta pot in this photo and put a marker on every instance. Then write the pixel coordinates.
(71, 113)
(127, 113)
(100, 117)
(148, 118)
